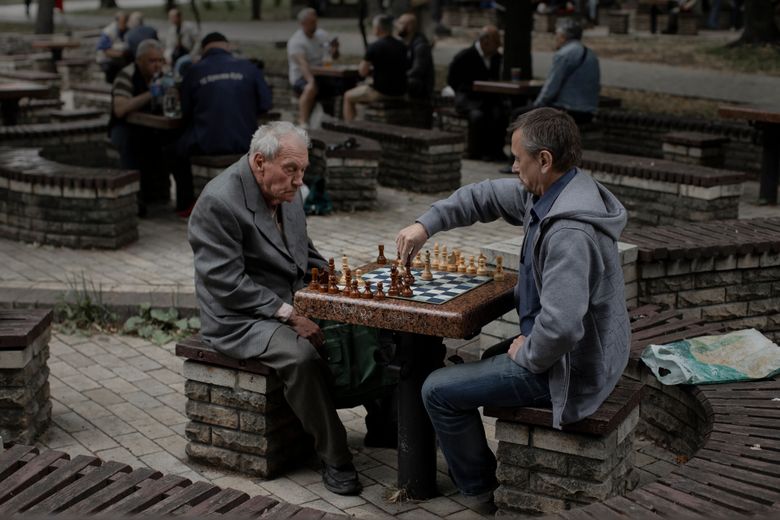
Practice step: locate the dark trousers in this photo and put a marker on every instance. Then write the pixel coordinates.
(487, 128)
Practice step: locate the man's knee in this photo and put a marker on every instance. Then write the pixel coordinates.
(433, 387)
(310, 90)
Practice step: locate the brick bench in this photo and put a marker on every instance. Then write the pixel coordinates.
(546, 22)
(694, 148)
(350, 173)
(401, 111)
(423, 161)
(35, 111)
(38, 484)
(617, 21)
(468, 14)
(25, 407)
(239, 418)
(50, 79)
(43, 134)
(206, 167)
(96, 95)
(541, 469)
(657, 191)
(48, 202)
(76, 114)
(725, 271)
(76, 70)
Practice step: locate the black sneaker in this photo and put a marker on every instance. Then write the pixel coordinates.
(342, 480)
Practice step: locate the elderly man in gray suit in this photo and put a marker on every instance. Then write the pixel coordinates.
(248, 235)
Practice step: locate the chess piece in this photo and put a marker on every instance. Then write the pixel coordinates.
(393, 290)
(443, 259)
(355, 293)
(359, 278)
(381, 260)
(418, 263)
(462, 264)
(427, 275)
(367, 294)
(333, 287)
(435, 262)
(482, 270)
(472, 268)
(380, 293)
(344, 269)
(314, 284)
(406, 290)
(452, 265)
(331, 266)
(408, 277)
(498, 274)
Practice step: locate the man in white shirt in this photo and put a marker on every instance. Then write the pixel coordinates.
(181, 37)
(309, 46)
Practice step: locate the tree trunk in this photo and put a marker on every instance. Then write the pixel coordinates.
(761, 24)
(44, 21)
(108, 4)
(256, 9)
(518, 24)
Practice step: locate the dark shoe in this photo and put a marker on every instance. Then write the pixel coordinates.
(342, 480)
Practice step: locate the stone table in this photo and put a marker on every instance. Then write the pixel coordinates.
(10, 94)
(421, 328)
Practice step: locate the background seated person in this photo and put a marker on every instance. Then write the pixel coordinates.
(181, 37)
(420, 77)
(386, 61)
(487, 114)
(221, 98)
(110, 49)
(308, 47)
(139, 148)
(137, 32)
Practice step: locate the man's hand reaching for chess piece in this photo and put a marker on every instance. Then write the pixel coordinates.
(410, 240)
(307, 329)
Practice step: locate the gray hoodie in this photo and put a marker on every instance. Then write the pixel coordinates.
(581, 336)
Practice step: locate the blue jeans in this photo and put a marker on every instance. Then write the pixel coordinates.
(452, 395)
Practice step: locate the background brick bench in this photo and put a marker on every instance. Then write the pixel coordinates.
(37, 484)
(541, 469)
(206, 167)
(401, 111)
(350, 173)
(50, 79)
(424, 161)
(96, 95)
(58, 204)
(657, 191)
(42, 134)
(694, 148)
(239, 418)
(25, 407)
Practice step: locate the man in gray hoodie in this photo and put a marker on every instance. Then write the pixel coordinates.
(574, 329)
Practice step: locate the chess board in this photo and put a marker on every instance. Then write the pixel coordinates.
(443, 288)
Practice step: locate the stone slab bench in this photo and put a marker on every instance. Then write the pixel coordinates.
(206, 167)
(423, 161)
(725, 271)
(617, 21)
(694, 148)
(25, 406)
(732, 470)
(468, 14)
(51, 203)
(38, 484)
(42, 134)
(76, 114)
(51, 79)
(239, 418)
(350, 172)
(542, 469)
(402, 111)
(658, 191)
(34, 111)
(97, 95)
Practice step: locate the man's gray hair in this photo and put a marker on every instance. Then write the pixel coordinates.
(569, 28)
(552, 130)
(384, 22)
(267, 137)
(304, 13)
(146, 46)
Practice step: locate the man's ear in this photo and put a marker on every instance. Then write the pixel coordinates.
(546, 160)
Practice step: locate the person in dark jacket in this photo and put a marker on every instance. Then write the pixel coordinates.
(385, 61)
(420, 77)
(487, 115)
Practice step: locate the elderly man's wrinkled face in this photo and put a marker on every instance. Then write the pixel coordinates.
(150, 63)
(529, 168)
(309, 25)
(490, 43)
(281, 178)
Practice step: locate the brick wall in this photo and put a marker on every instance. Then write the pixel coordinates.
(641, 134)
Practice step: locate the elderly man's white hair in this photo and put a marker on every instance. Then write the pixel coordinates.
(267, 137)
(306, 12)
(146, 46)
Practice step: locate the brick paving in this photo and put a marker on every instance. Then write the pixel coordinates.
(122, 398)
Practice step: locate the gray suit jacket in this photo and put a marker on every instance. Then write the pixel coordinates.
(244, 268)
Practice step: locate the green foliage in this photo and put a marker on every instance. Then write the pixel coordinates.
(82, 309)
(160, 326)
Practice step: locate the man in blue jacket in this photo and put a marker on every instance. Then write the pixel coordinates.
(574, 330)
